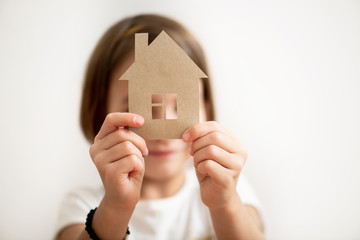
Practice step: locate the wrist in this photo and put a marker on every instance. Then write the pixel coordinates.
(114, 205)
(89, 229)
(111, 221)
(231, 205)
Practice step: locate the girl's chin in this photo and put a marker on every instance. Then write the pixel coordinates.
(163, 168)
(160, 175)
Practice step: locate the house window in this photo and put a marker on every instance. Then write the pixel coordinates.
(164, 106)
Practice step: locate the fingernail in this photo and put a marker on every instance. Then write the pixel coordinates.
(186, 136)
(138, 120)
(146, 152)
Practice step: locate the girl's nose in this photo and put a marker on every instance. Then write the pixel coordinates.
(171, 112)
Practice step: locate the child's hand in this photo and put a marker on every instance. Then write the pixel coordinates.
(118, 156)
(218, 160)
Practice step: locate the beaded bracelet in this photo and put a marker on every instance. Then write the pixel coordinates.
(91, 231)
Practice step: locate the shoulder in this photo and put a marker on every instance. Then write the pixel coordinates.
(76, 204)
(80, 199)
(248, 194)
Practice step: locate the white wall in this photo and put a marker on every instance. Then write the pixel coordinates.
(287, 82)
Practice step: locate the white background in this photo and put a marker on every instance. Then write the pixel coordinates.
(287, 81)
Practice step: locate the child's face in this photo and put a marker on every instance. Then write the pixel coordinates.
(167, 157)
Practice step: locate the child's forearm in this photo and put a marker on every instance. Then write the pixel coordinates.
(235, 221)
(118, 155)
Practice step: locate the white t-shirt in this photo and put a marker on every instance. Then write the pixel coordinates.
(181, 216)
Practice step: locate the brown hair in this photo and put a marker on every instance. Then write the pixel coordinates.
(117, 42)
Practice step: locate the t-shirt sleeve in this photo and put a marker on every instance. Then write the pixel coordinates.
(76, 205)
(248, 195)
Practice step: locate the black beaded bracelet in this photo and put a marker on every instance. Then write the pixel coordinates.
(91, 232)
(88, 224)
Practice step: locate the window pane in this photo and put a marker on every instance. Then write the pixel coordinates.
(156, 98)
(171, 106)
(157, 112)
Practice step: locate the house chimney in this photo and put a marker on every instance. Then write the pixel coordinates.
(141, 42)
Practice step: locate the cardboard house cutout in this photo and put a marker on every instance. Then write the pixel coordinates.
(163, 72)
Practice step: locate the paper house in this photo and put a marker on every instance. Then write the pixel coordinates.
(163, 71)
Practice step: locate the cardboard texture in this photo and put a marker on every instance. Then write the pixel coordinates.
(162, 71)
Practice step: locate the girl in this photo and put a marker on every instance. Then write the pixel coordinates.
(149, 186)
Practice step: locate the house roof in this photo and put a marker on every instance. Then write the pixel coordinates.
(162, 59)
